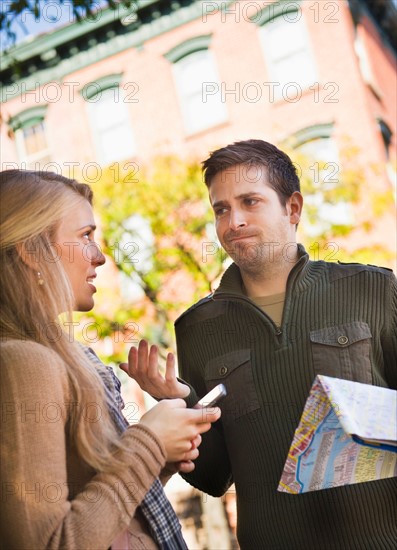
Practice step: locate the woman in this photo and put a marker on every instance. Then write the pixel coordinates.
(70, 478)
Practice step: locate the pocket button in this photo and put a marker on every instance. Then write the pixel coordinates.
(223, 370)
(343, 340)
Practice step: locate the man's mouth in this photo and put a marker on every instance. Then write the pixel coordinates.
(237, 238)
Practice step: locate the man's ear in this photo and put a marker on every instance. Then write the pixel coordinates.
(295, 205)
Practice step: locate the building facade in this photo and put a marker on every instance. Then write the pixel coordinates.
(184, 77)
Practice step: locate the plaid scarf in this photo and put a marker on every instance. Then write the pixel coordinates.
(160, 516)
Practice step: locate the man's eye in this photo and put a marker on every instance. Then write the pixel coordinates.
(220, 211)
(251, 202)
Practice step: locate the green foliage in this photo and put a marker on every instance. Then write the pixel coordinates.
(82, 9)
(374, 255)
(173, 200)
(154, 225)
(155, 221)
(345, 184)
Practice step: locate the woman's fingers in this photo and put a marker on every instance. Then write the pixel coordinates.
(196, 441)
(191, 455)
(186, 466)
(178, 427)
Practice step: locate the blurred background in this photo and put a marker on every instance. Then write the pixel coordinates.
(131, 99)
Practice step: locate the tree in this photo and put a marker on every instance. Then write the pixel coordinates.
(81, 9)
(171, 199)
(157, 226)
(332, 193)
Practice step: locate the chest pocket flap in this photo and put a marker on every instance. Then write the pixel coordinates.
(221, 366)
(234, 369)
(341, 335)
(343, 351)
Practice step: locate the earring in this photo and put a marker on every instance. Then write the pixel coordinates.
(40, 279)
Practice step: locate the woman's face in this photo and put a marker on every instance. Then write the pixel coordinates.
(79, 253)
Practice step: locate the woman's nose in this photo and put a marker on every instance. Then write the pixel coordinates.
(95, 254)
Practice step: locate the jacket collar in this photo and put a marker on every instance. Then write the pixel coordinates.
(232, 282)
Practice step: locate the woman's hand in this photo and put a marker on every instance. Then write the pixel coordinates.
(143, 367)
(184, 466)
(178, 428)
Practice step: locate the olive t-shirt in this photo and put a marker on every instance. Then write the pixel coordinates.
(272, 305)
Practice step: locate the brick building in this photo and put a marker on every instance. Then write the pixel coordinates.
(184, 77)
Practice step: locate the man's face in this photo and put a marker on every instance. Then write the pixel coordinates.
(252, 225)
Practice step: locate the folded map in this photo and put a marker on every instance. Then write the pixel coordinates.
(347, 434)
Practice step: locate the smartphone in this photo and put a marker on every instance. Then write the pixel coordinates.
(213, 396)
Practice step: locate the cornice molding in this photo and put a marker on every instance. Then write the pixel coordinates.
(28, 117)
(272, 11)
(109, 37)
(316, 131)
(383, 13)
(39, 45)
(187, 47)
(91, 89)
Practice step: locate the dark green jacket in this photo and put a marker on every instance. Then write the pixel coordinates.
(268, 373)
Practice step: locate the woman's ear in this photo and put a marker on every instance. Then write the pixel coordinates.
(295, 203)
(29, 253)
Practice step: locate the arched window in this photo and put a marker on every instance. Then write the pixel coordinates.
(110, 120)
(317, 143)
(322, 163)
(30, 137)
(286, 46)
(387, 134)
(197, 84)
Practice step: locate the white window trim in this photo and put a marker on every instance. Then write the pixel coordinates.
(33, 158)
(99, 86)
(306, 48)
(182, 98)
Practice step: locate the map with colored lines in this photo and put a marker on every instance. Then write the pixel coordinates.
(347, 434)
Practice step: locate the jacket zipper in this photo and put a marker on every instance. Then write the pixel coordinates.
(277, 330)
(234, 297)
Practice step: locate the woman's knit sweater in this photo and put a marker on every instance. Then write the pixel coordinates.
(50, 497)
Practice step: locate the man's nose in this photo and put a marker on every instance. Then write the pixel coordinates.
(236, 220)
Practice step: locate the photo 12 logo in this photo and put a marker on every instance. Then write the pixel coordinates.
(253, 12)
(270, 92)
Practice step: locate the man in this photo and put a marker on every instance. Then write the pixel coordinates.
(272, 325)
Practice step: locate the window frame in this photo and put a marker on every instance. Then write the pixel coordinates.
(177, 56)
(271, 14)
(30, 118)
(95, 89)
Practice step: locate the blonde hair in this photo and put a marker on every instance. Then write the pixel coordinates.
(32, 206)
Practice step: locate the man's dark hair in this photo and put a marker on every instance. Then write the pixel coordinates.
(281, 171)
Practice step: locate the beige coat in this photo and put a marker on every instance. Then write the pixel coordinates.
(50, 497)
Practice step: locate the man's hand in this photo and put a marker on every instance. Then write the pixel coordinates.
(143, 367)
